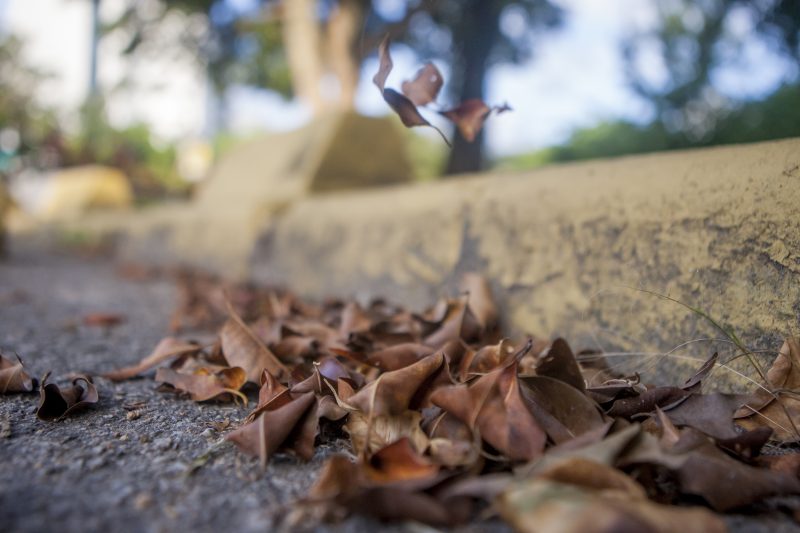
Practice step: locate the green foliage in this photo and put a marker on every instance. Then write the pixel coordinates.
(693, 41)
(150, 168)
(427, 157)
(18, 110)
(775, 117)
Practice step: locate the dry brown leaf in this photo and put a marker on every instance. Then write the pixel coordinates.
(559, 363)
(469, 116)
(542, 505)
(560, 409)
(398, 356)
(457, 324)
(105, 320)
(56, 403)
(370, 434)
(702, 469)
(405, 108)
(343, 488)
(13, 377)
(272, 429)
(781, 413)
(710, 413)
(495, 407)
(386, 64)
(205, 383)
(395, 392)
(167, 348)
(486, 359)
(241, 347)
(400, 461)
(425, 86)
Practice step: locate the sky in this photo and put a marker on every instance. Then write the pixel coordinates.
(575, 79)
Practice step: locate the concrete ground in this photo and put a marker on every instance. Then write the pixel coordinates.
(105, 469)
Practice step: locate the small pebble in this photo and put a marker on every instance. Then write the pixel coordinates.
(163, 443)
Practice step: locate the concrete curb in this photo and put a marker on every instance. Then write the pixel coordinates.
(716, 228)
(565, 247)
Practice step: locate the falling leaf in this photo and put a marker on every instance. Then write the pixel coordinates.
(425, 86)
(386, 64)
(408, 112)
(468, 117)
(13, 377)
(405, 108)
(167, 348)
(56, 403)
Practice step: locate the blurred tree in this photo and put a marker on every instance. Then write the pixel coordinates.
(292, 46)
(775, 117)
(691, 41)
(471, 36)
(20, 115)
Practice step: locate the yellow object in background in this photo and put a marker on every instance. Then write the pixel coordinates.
(71, 192)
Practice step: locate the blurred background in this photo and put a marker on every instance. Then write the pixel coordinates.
(160, 89)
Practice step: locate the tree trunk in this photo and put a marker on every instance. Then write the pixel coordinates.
(343, 28)
(301, 37)
(475, 37)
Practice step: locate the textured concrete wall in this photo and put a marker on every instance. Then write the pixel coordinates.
(717, 228)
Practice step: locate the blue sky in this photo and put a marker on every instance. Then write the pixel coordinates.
(575, 79)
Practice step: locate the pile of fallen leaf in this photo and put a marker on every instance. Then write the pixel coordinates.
(448, 421)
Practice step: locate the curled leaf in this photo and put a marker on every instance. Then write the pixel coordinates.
(496, 408)
(205, 383)
(386, 64)
(403, 106)
(425, 86)
(271, 431)
(408, 112)
(559, 363)
(370, 434)
(56, 403)
(13, 377)
(781, 411)
(167, 348)
(395, 392)
(241, 347)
